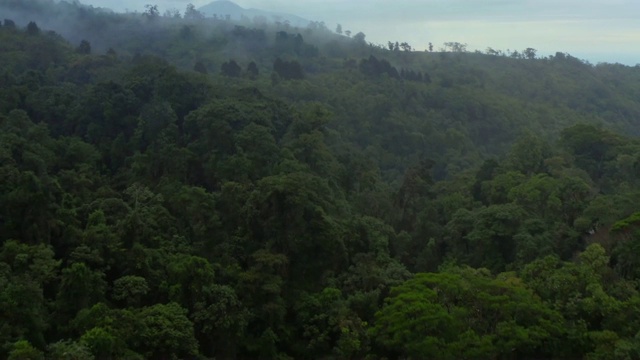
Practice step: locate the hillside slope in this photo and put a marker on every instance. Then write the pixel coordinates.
(204, 188)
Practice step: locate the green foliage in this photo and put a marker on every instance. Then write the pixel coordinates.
(330, 327)
(166, 331)
(69, 350)
(80, 287)
(466, 314)
(22, 350)
(243, 189)
(100, 342)
(130, 289)
(288, 70)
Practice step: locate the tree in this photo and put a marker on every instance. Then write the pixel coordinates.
(253, 71)
(288, 69)
(231, 69)
(185, 32)
(539, 195)
(456, 47)
(80, 287)
(187, 277)
(150, 211)
(577, 290)
(303, 199)
(165, 331)
(23, 350)
(32, 28)
(191, 13)
(466, 313)
(106, 332)
(25, 271)
(220, 321)
(529, 53)
(491, 51)
(491, 241)
(415, 189)
(360, 38)
(528, 153)
(130, 289)
(592, 147)
(69, 350)
(262, 285)
(172, 14)
(84, 48)
(626, 232)
(9, 24)
(374, 67)
(200, 67)
(151, 12)
(101, 343)
(339, 29)
(330, 327)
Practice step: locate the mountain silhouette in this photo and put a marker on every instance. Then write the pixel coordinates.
(223, 8)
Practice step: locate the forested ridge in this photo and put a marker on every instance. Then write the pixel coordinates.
(180, 187)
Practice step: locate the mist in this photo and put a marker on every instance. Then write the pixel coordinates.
(595, 30)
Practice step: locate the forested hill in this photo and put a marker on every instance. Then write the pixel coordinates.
(177, 186)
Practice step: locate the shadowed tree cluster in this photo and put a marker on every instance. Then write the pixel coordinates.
(288, 70)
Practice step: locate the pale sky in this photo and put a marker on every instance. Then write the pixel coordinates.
(595, 30)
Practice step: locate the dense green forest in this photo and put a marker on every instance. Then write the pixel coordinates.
(181, 187)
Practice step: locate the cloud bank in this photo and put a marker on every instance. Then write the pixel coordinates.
(596, 30)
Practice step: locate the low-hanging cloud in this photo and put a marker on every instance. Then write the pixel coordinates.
(599, 30)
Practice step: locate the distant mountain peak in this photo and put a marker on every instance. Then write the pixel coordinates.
(236, 12)
(226, 3)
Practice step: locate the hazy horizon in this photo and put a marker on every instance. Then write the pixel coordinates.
(593, 30)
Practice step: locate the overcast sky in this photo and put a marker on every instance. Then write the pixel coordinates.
(595, 30)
